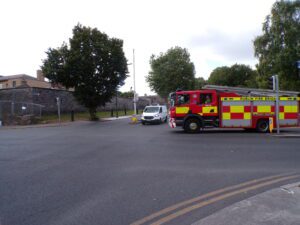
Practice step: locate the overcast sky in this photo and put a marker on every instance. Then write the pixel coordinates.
(216, 33)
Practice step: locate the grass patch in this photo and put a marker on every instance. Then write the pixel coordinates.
(66, 117)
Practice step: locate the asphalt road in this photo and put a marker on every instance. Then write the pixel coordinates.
(111, 173)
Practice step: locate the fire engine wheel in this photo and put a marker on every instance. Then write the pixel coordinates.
(263, 126)
(192, 125)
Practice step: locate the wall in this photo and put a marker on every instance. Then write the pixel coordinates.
(31, 83)
(47, 98)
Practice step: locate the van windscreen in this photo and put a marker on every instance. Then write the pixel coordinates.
(151, 109)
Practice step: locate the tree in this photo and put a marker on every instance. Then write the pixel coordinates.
(278, 48)
(171, 70)
(93, 64)
(238, 75)
(127, 94)
(199, 83)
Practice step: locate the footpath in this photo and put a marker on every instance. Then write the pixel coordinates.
(279, 206)
(57, 124)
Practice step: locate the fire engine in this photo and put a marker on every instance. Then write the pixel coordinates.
(225, 107)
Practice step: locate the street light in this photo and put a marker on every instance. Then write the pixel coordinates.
(134, 93)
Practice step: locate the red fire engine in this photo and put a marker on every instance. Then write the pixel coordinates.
(195, 110)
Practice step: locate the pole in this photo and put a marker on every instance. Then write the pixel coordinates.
(134, 94)
(58, 108)
(117, 113)
(277, 104)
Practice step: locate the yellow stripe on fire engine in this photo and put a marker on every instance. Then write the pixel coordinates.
(259, 99)
(237, 108)
(290, 109)
(247, 116)
(209, 109)
(263, 108)
(182, 110)
(281, 116)
(226, 116)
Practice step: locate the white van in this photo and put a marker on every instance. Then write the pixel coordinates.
(155, 114)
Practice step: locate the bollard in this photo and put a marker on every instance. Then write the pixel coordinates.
(72, 115)
(125, 111)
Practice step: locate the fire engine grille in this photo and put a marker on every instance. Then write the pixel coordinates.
(148, 117)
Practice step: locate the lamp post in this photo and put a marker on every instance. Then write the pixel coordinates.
(134, 93)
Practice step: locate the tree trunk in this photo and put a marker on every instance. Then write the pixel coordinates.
(93, 114)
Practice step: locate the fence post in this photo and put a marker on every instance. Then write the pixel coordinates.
(111, 113)
(72, 115)
(125, 111)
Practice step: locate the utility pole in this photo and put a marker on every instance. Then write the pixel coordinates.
(277, 103)
(58, 108)
(134, 93)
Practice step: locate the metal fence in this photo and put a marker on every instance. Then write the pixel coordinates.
(13, 113)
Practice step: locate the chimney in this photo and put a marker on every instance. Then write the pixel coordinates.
(40, 76)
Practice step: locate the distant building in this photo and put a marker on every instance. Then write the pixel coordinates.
(23, 80)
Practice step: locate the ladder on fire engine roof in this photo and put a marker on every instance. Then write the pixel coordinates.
(251, 91)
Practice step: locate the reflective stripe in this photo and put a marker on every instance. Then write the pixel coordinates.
(247, 116)
(264, 109)
(182, 110)
(288, 122)
(259, 99)
(226, 116)
(237, 103)
(281, 116)
(209, 109)
(290, 108)
(237, 109)
(236, 123)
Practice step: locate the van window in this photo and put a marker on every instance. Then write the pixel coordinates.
(151, 109)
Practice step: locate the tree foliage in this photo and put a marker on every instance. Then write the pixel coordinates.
(278, 48)
(171, 70)
(238, 75)
(126, 94)
(92, 63)
(199, 83)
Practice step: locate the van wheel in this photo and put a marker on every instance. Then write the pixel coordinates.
(192, 125)
(143, 123)
(166, 119)
(262, 126)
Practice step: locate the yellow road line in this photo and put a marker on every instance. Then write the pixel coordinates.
(218, 198)
(210, 194)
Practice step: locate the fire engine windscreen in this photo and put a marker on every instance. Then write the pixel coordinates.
(172, 99)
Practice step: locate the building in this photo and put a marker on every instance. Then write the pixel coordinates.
(23, 80)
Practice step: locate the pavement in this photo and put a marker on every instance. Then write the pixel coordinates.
(279, 206)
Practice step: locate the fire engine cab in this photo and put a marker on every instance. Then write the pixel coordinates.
(195, 110)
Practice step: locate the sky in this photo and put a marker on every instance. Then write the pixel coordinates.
(216, 33)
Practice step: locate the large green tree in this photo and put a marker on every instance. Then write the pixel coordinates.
(199, 83)
(92, 63)
(238, 75)
(278, 48)
(170, 71)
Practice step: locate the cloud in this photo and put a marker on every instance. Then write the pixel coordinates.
(231, 47)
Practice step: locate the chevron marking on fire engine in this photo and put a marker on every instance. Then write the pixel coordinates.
(211, 197)
(182, 110)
